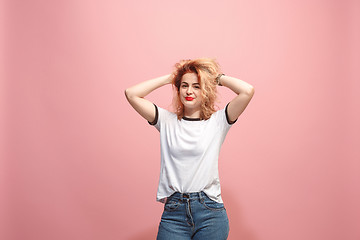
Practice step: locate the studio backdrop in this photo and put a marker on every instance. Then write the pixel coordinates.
(78, 163)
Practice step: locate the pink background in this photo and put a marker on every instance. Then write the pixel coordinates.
(77, 162)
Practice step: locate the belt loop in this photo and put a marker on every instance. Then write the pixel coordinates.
(201, 196)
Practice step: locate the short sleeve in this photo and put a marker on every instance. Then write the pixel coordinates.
(156, 116)
(219, 120)
(162, 116)
(227, 116)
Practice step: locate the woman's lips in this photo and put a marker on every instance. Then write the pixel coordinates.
(189, 98)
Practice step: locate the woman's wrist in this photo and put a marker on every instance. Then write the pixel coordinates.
(170, 78)
(217, 79)
(165, 79)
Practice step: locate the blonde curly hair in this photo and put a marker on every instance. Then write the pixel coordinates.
(207, 69)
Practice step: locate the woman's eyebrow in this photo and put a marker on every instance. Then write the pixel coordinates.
(188, 83)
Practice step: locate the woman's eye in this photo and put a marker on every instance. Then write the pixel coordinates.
(197, 87)
(183, 86)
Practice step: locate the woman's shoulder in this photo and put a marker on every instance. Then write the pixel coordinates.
(165, 113)
(162, 115)
(222, 115)
(218, 113)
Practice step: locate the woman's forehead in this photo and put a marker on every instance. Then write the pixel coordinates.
(190, 78)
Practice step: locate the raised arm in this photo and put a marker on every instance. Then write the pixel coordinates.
(135, 95)
(244, 93)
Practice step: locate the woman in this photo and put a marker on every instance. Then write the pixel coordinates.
(190, 142)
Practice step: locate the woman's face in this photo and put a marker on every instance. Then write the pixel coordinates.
(190, 91)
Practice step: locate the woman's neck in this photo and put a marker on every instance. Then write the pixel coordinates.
(192, 113)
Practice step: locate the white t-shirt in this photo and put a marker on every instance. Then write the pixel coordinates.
(189, 153)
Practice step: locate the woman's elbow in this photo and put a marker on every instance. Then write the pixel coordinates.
(251, 91)
(128, 93)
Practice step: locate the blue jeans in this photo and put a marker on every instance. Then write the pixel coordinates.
(193, 216)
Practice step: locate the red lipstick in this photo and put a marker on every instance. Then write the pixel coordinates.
(189, 98)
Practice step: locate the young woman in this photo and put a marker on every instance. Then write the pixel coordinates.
(190, 141)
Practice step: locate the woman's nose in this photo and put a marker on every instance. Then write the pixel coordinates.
(189, 90)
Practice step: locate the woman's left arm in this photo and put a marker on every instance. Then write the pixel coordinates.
(244, 93)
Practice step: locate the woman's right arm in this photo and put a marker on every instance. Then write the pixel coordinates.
(135, 95)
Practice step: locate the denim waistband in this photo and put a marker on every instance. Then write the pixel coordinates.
(185, 196)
